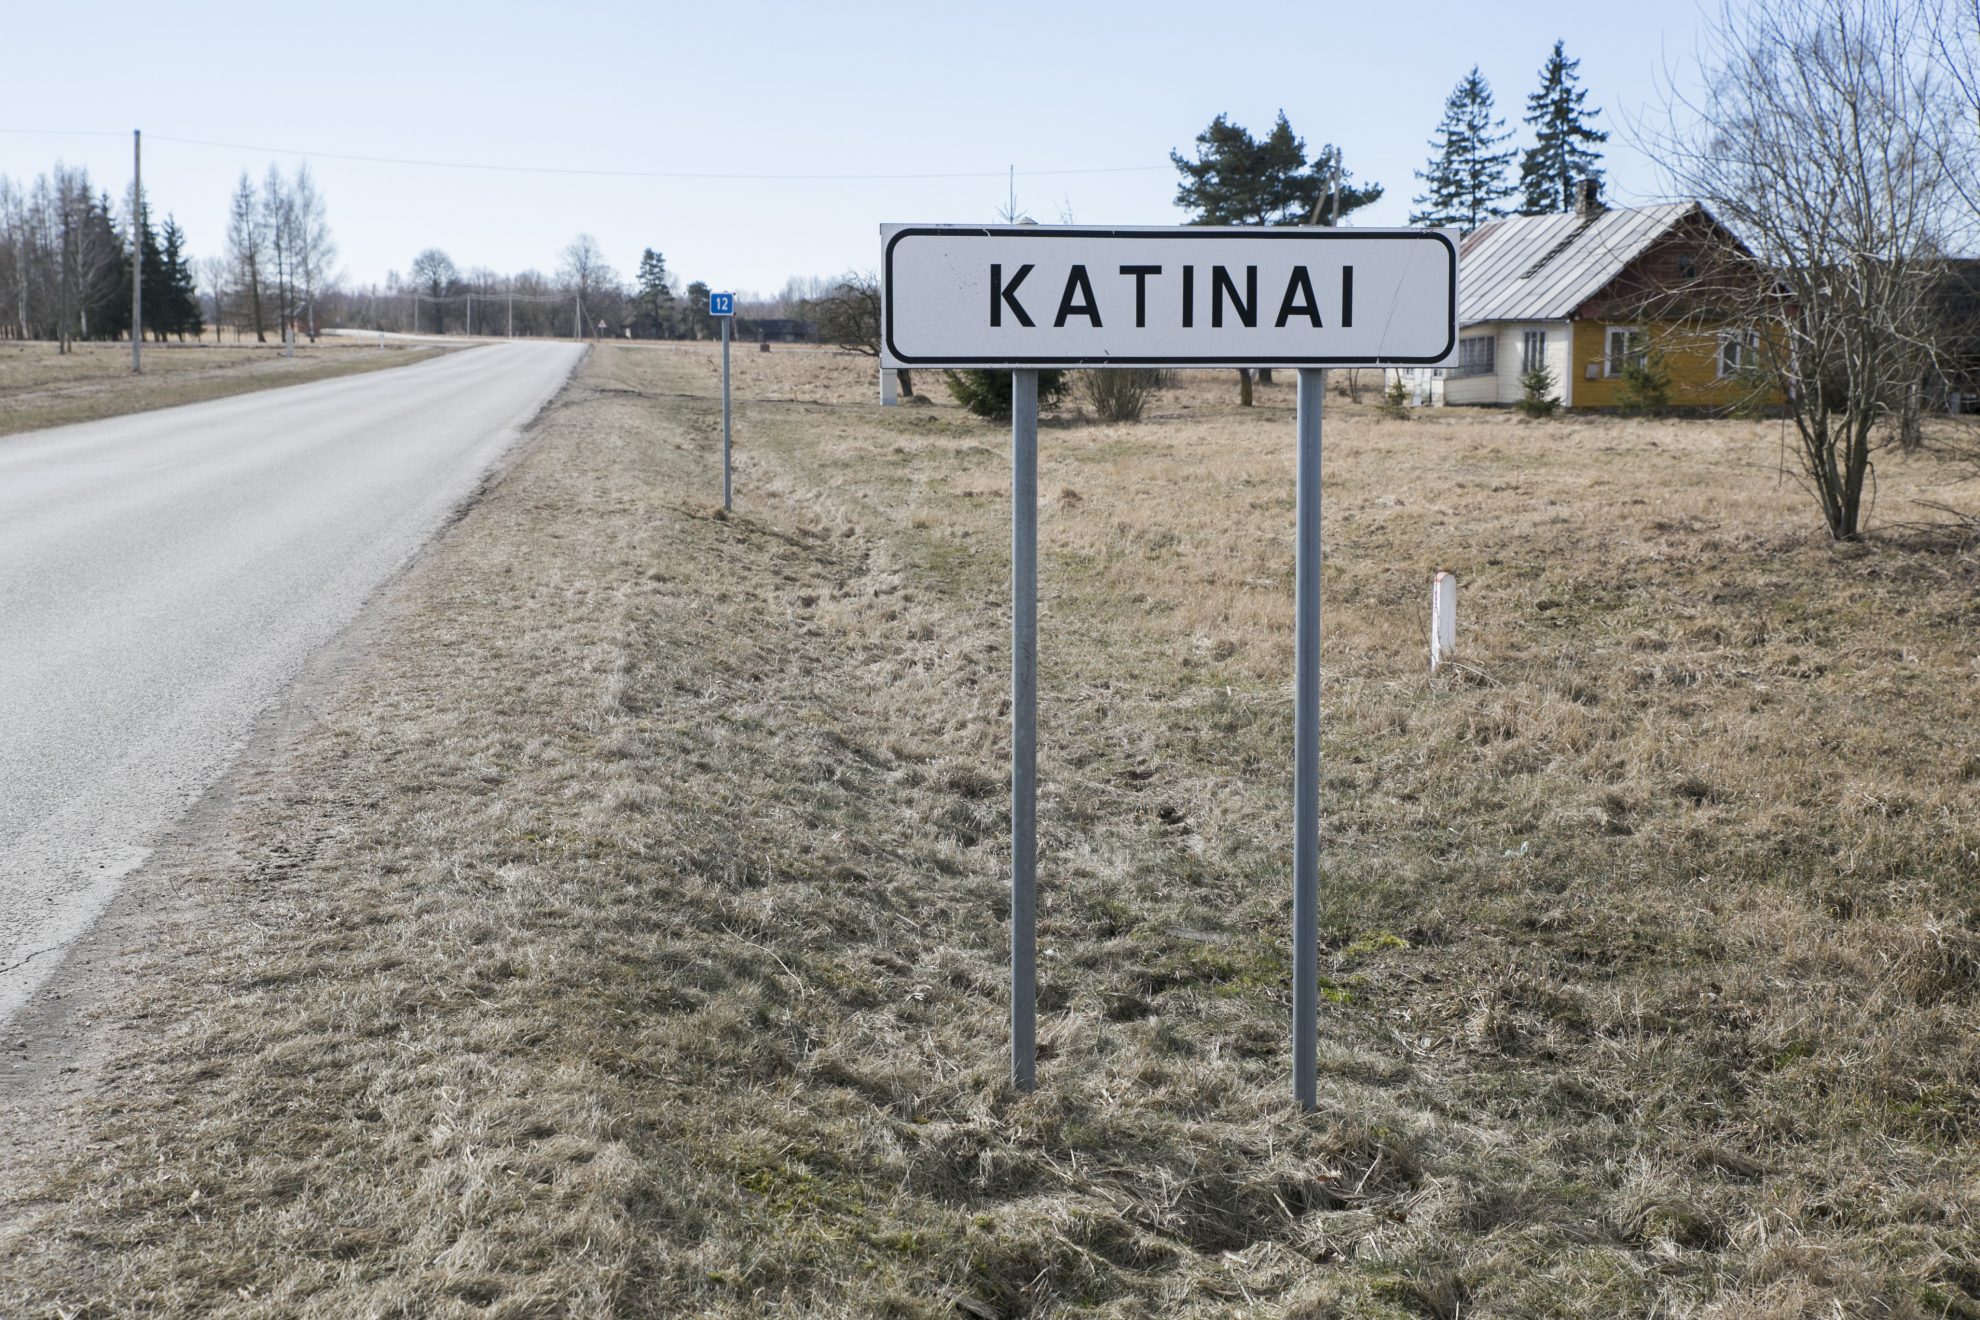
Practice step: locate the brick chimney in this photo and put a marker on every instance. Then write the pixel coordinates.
(1588, 197)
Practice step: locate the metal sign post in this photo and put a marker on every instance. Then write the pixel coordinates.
(1032, 296)
(1306, 743)
(1024, 729)
(722, 306)
(137, 253)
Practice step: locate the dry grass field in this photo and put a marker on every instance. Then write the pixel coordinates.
(628, 938)
(41, 386)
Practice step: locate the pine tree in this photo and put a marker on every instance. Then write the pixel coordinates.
(1237, 179)
(1467, 173)
(1549, 169)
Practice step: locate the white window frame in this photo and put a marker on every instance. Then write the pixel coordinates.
(1475, 362)
(1613, 362)
(1747, 354)
(1532, 350)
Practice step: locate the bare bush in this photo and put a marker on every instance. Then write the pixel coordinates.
(1119, 394)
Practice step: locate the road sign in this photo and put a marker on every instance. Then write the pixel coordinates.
(1033, 296)
(1196, 296)
(721, 304)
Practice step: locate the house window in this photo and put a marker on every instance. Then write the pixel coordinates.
(1533, 350)
(1687, 265)
(1626, 346)
(1739, 350)
(1475, 356)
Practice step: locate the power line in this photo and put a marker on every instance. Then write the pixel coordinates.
(589, 173)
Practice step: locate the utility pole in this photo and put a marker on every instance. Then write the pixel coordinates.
(470, 318)
(137, 252)
(512, 311)
(577, 319)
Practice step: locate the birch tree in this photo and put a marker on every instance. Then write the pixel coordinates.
(247, 245)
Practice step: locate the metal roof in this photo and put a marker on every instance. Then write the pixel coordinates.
(1542, 267)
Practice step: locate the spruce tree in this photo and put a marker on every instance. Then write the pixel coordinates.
(103, 271)
(181, 314)
(157, 282)
(1467, 174)
(1559, 156)
(655, 298)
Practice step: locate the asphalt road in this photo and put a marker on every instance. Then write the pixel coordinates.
(164, 575)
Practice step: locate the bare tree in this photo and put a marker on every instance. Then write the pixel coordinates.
(1821, 136)
(434, 277)
(315, 250)
(588, 276)
(278, 222)
(247, 247)
(849, 316)
(217, 273)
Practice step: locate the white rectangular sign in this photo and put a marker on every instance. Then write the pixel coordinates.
(1024, 296)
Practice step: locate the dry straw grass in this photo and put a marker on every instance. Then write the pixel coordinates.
(629, 941)
(40, 386)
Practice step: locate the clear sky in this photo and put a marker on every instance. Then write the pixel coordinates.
(1060, 90)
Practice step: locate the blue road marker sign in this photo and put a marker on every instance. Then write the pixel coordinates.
(721, 304)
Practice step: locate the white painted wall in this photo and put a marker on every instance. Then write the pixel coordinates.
(1503, 385)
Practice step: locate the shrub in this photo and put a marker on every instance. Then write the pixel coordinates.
(1537, 397)
(1645, 388)
(1119, 394)
(988, 393)
(1395, 400)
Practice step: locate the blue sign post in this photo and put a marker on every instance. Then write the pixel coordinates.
(722, 306)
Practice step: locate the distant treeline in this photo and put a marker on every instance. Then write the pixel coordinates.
(586, 298)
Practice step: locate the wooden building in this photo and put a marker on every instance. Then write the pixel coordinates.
(1586, 293)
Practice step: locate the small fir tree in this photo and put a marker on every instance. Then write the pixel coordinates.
(988, 393)
(1645, 388)
(1468, 173)
(1395, 400)
(1560, 155)
(1537, 398)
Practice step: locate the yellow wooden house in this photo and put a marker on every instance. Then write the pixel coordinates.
(1580, 293)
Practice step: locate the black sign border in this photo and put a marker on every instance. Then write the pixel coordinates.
(1295, 232)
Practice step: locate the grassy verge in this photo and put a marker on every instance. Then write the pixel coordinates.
(40, 386)
(629, 940)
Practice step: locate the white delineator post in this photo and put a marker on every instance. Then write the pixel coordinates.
(1443, 619)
